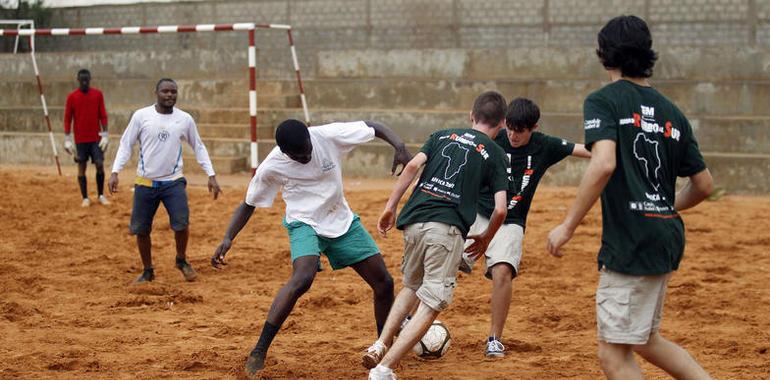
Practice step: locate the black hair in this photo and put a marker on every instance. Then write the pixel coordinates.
(84, 71)
(157, 85)
(291, 136)
(522, 113)
(625, 43)
(489, 108)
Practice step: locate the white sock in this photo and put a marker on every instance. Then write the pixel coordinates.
(382, 369)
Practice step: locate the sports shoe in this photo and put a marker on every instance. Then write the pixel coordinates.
(103, 200)
(466, 264)
(254, 363)
(495, 349)
(374, 354)
(381, 373)
(146, 276)
(187, 269)
(86, 202)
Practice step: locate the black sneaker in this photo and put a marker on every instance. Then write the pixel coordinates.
(187, 269)
(254, 363)
(146, 276)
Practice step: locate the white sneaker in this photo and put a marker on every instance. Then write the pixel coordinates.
(495, 349)
(381, 373)
(86, 202)
(103, 200)
(374, 354)
(466, 264)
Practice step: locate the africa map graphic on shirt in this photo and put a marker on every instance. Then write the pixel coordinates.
(651, 164)
(454, 166)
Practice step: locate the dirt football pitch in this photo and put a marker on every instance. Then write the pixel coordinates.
(68, 311)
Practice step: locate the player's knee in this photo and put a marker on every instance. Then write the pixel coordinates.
(384, 287)
(611, 357)
(502, 272)
(300, 284)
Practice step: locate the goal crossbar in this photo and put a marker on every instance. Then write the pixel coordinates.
(252, 58)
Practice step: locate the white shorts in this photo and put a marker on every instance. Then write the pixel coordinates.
(629, 308)
(505, 247)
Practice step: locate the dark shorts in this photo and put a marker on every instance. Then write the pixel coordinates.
(89, 150)
(146, 202)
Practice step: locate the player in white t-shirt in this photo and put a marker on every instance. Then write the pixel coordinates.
(306, 164)
(160, 130)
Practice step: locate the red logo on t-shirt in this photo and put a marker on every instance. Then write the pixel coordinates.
(637, 120)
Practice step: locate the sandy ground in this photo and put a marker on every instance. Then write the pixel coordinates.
(67, 309)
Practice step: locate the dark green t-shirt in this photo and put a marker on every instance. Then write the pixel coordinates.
(642, 234)
(528, 165)
(460, 162)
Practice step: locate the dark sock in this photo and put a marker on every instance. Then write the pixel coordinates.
(269, 331)
(492, 339)
(100, 182)
(83, 186)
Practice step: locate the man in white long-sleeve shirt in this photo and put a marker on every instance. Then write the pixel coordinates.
(160, 130)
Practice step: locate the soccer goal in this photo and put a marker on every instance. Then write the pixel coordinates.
(249, 28)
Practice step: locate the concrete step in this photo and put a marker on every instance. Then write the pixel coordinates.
(736, 173)
(737, 134)
(719, 98)
(235, 131)
(35, 148)
(134, 93)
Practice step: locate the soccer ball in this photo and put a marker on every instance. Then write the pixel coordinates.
(434, 343)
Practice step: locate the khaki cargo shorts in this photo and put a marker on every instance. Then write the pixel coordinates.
(432, 253)
(629, 308)
(505, 246)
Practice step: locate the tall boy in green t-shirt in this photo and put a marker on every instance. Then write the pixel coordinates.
(640, 143)
(530, 154)
(436, 219)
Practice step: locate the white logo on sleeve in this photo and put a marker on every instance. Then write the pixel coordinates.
(592, 124)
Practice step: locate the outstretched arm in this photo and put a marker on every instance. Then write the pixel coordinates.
(402, 155)
(581, 151)
(388, 217)
(239, 219)
(598, 173)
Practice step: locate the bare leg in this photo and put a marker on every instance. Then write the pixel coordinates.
(303, 273)
(502, 274)
(671, 358)
(410, 335)
(181, 238)
(375, 273)
(617, 361)
(144, 242)
(401, 307)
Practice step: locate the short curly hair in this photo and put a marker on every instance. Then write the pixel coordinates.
(625, 43)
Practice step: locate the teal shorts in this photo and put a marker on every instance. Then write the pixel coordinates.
(352, 247)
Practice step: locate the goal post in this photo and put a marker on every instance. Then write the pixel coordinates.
(249, 28)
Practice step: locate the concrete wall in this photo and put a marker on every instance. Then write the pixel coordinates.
(416, 65)
(414, 24)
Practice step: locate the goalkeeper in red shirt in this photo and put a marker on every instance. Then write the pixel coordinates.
(85, 106)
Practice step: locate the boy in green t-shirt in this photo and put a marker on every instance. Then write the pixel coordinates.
(436, 219)
(640, 143)
(530, 154)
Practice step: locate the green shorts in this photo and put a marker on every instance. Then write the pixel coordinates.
(352, 247)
